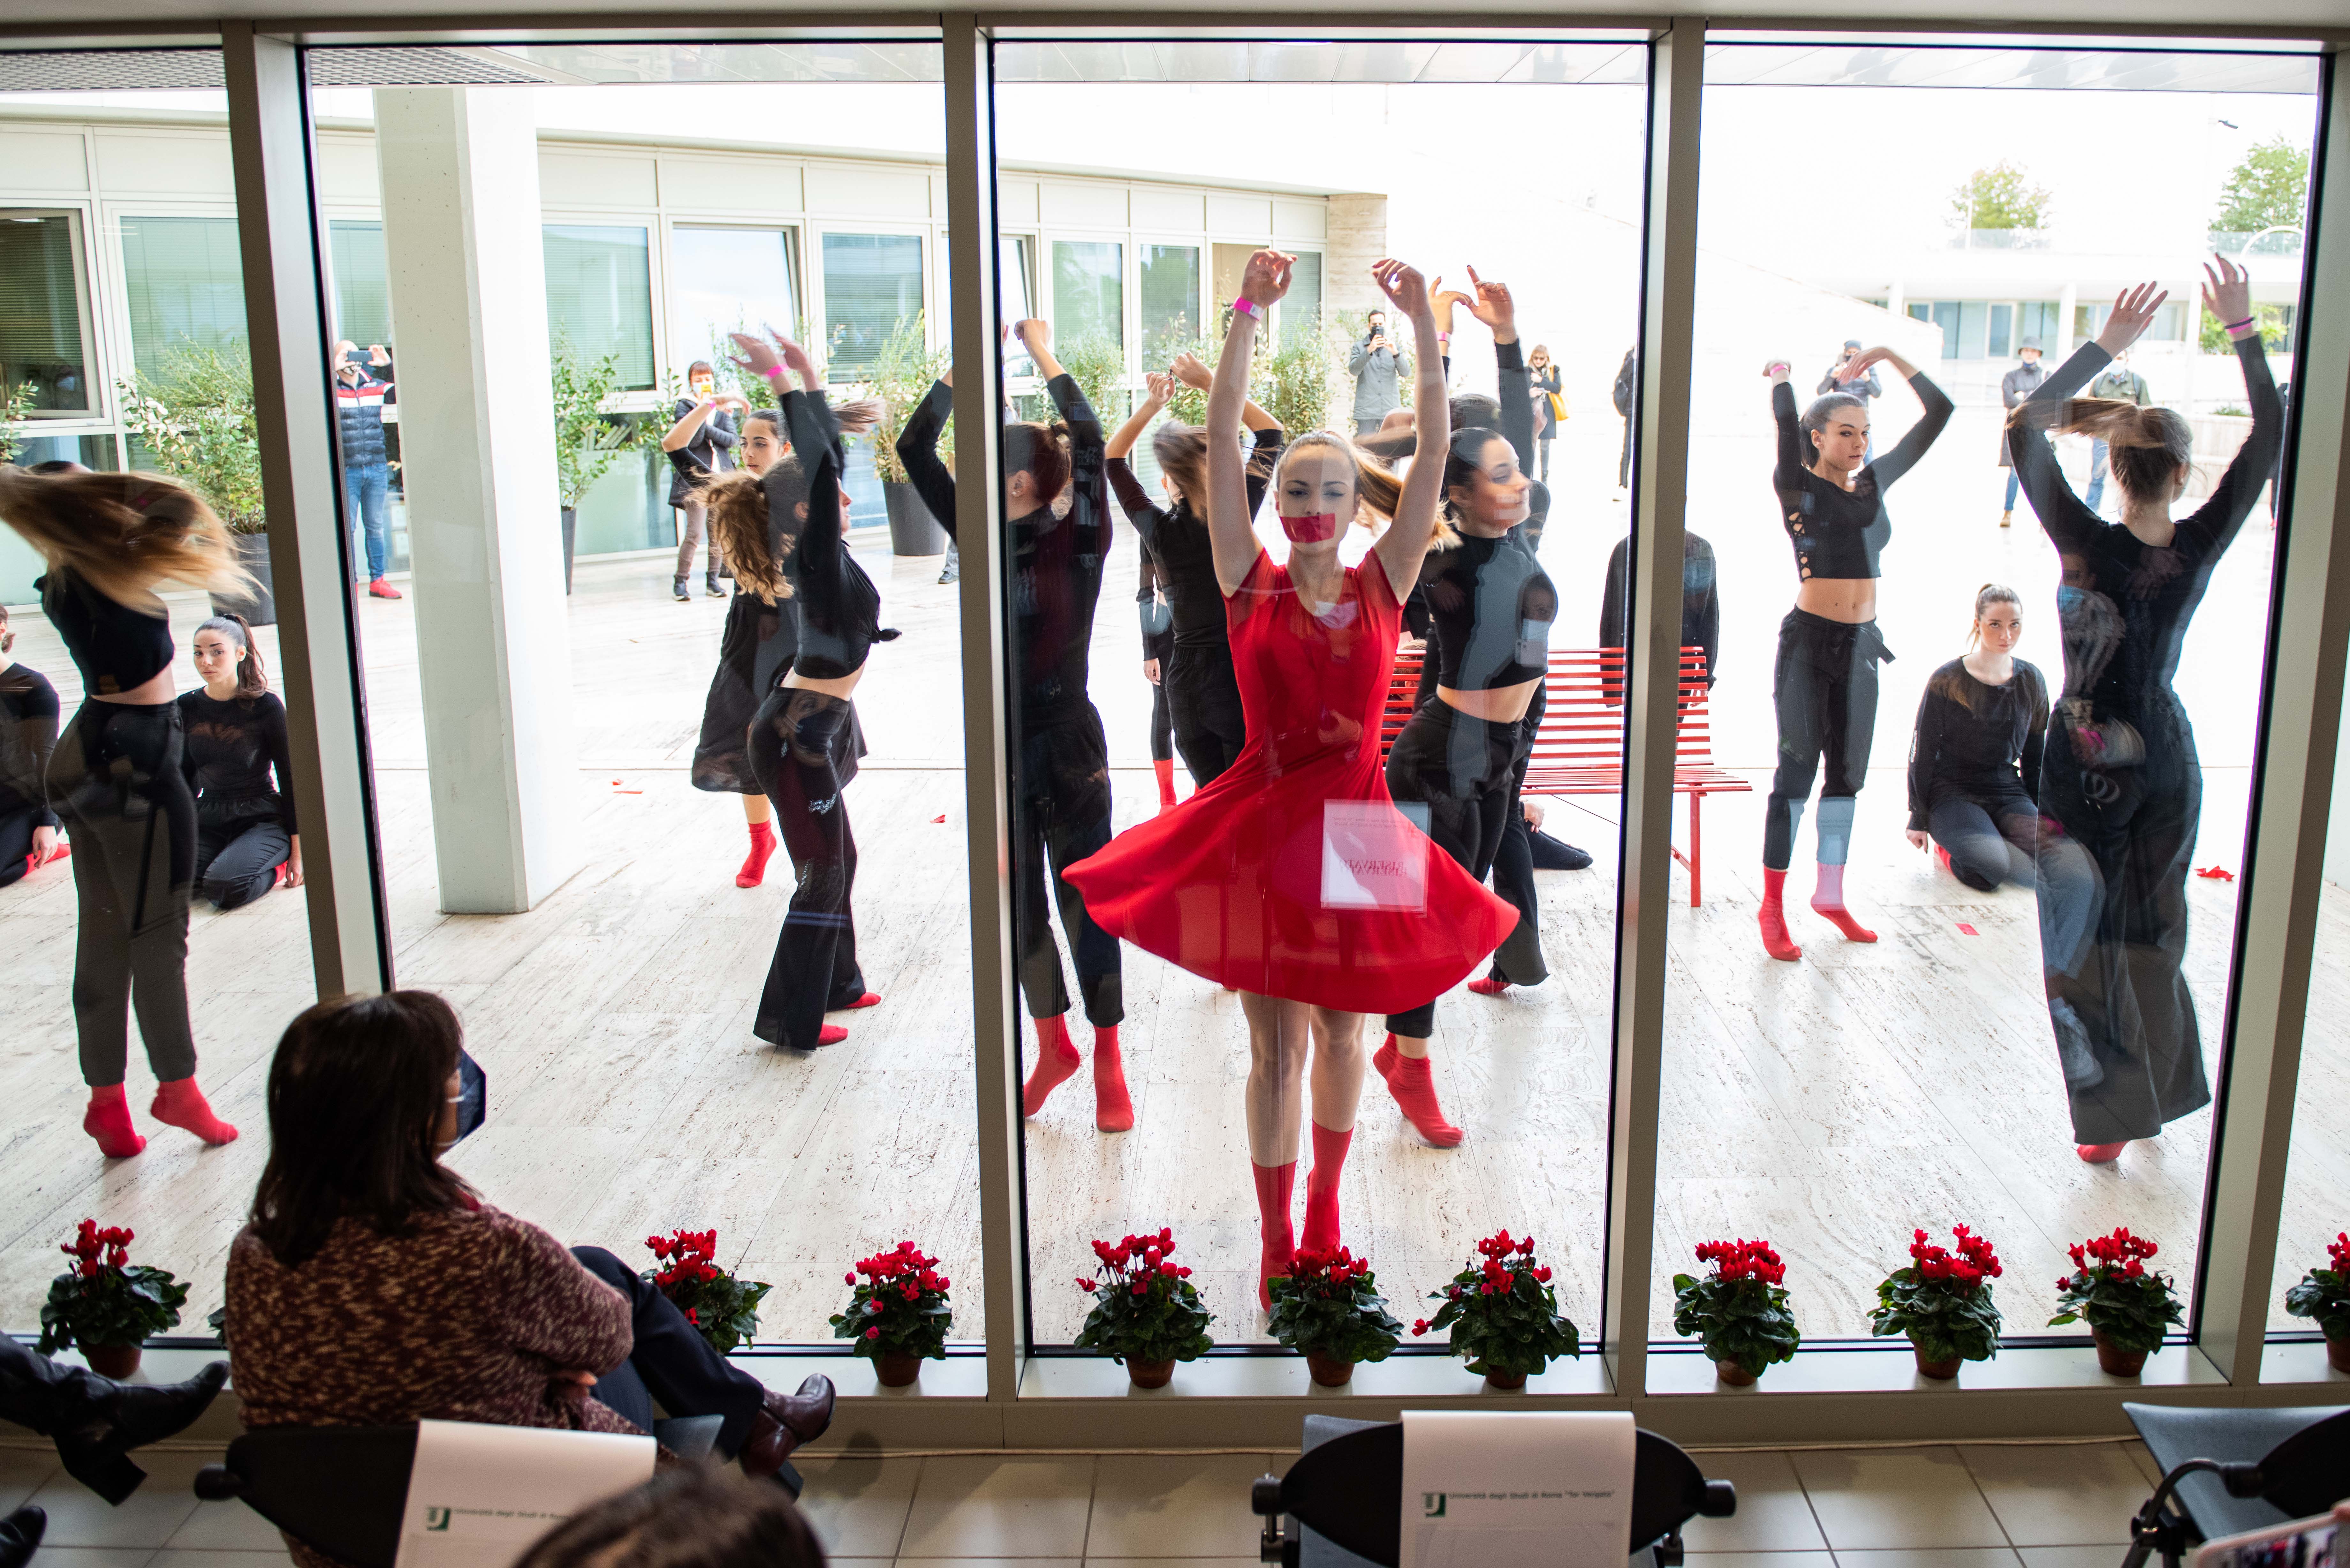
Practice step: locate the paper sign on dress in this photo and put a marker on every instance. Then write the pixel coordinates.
(1371, 857)
(479, 1494)
(1530, 1488)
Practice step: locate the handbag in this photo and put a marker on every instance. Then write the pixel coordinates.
(1557, 407)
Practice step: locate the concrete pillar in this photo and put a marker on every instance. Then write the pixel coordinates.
(1354, 235)
(1896, 296)
(459, 168)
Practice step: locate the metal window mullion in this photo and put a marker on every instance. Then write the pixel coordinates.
(2285, 880)
(971, 213)
(277, 238)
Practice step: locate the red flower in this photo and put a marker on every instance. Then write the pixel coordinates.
(1419, 1326)
(1543, 1275)
(2337, 1251)
(872, 1333)
(1084, 1283)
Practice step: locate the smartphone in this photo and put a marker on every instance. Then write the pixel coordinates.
(2301, 1543)
(472, 1095)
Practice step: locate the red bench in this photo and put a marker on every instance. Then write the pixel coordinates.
(1579, 749)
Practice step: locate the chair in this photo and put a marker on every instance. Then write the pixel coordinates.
(2231, 1469)
(341, 1490)
(1344, 1497)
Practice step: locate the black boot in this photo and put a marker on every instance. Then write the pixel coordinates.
(677, 588)
(709, 584)
(20, 1536)
(95, 1421)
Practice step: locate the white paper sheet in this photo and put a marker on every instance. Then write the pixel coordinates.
(1529, 1489)
(1371, 858)
(479, 1494)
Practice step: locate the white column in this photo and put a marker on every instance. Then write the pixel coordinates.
(459, 173)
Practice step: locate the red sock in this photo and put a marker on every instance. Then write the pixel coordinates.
(1827, 902)
(830, 1035)
(1057, 1058)
(2099, 1153)
(1490, 986)
(1165, 768)
(870, 999)
(1776, 941)
(1409, 1081)
(754, 865)
(108, 1121)
(181, 1103)
(1322, 1189)
(1274, 1183)
(1113, 1107)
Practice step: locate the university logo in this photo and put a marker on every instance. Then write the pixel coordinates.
(436, 1518)
(1431, 1505)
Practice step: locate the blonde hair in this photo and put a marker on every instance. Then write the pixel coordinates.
(122, 534)
(1377, 488)
(1181, 451)
(2146, 447)
(749, 537)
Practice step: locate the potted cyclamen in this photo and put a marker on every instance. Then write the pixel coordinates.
(106, 1304)
(1328, 1307)
(1503, 1313)
(1738, 1311)
(900, 1315)
(1147, 1313)
(2127, 1305)
(725, 1309)
(1943, 1302)
(2324, 1294)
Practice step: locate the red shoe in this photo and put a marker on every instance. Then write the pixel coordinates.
(1166, 772)
(1113, 1107)
(1057, 1058)
(1773, 918)
(869, 999)
(830, 1035)
(754, 865)
(1490, 986)
(180, 1103)
(1274, 1183)
(108, 1121)
(380, 590)
(1942, 859)
(2099, 1153)
(1408, 1080)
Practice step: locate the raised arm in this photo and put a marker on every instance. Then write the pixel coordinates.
(1794, 461)
(2063, 518)
(917, 448)
(689, 425)
(1492, 304)
(1232, 535)
(2228, 296)
(1088, 516)
(1192, 371)
(1893, 465)
(1159, 387)
(1404, 545)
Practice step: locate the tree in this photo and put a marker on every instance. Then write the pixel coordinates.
(2270, 187)
(196, 417)
(587, 441)
(1997, 198)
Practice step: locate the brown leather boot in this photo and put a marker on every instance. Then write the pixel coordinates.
(784, 1423)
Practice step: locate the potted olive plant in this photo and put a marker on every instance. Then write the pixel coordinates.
(1147, 1313)
(106, 1304)
(1943, 1302)
(899, 378)
(900, 1315)
(194, 416)
(2128, 1306)
(587, 440)
(1503, 1313)
(1328, 1307)
(2324, 1294)
(1739, 1311)
(725, 1310)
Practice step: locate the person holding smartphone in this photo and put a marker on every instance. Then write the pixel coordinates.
(1379, 370)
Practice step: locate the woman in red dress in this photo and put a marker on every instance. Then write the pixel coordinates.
(1292, 877)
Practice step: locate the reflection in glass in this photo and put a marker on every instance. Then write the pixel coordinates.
(872, 284)
(1170, 301)
(362, 292)
(729, 280)
(600, 295)
(185, 287)
(42, 312)
(1089, 293)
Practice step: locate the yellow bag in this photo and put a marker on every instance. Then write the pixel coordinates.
(1557, 407)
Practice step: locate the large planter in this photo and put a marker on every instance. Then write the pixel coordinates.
(2337, 1354)
(1150, 1374)
(115, 1361)
(897, 1370)
(2117, 1361)
(570, 534)
(253, 555)
(1729, 1372)
(912, 530)
(1329, 1371)
(1941, 1371)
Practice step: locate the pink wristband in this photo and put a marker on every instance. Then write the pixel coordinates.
(1248, 308)
(774, 373)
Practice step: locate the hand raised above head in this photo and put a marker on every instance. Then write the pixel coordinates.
(2133, 313)
(1267, 278)
(1494, 304)
(2227, 291)
(1158, 388)
(1776, 370)
(757, 355)
(1192, 371)
(1403, 285)
(1035, 332)
(796, 358)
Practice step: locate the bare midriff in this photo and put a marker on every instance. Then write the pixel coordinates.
(838, 686)
(1848, 600)
(1499, 705)
(152, 692)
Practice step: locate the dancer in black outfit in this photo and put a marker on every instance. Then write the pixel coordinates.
(1157, 649)
(114, 778)
(2122, 782)
(29, 733)
(1832, 504)
(1974, 765)
(1463, 754)
(754, 649)
(1202, 698)
(803, 739)
(1060, 771)
(246, 840)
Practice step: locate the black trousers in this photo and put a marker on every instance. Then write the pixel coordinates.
(65, 1403)
(671, 1361)
(116, 780)
(1991, 840)
(237, 862)
(1465, 773)
(1161, 647)
(1060, 815)
(803, 753)
(15, 845)
(1204, 698)
(1824, 689)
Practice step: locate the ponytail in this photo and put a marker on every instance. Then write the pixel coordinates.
(252, 676)
(2146, 447)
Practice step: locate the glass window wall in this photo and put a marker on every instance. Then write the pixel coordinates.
(44, 315)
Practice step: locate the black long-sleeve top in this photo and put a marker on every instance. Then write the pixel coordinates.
(1178, 553)
(117, 648)
(839, 607)
(1701, 601)
(232, 749)
(1976, 741)
(1056, 561)
(29, 733)
(1837, 532)
(2150, 592)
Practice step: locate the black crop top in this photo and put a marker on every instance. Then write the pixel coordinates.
(839, 607)
(1491, 605)
(230, 750)
(116, 648)
(1837, 532)
(29, 733)
(1976, 741)
(1177, 539)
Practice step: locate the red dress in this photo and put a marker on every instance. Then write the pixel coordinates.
(1293, 874)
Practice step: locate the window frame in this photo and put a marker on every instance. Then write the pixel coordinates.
(94, 379)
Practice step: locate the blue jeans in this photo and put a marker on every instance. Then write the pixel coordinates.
(2012, 480)
(2096, 473)
(365, 501)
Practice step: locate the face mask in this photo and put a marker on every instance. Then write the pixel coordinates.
(1311, 528)
(702, 388)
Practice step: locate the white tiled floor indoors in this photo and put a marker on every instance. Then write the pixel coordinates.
(1960, 1506)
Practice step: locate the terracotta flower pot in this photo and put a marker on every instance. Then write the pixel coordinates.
(897, 1368)
(1150, 1374)
(2120, 1362)
(1329, 1371)
(2337, 1354)
(1942, 1370)
(1510, 1380)
(1729, 1372)
(116, 1361)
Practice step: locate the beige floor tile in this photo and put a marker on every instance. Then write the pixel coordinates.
(1930, 1557)
(1761, 1560)
(1173, 1563)
(225, 1526)
(79, 1517)
(857, 1505)
(1870, 1499)
(182, 1557)
(1772, 1513)
(91, 1556)
(2143, 1458)
(23, 1472)
(989, 1507)
(2068, 1556)
(990, 1563)
(1174, 1506)
(2078, 1494)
